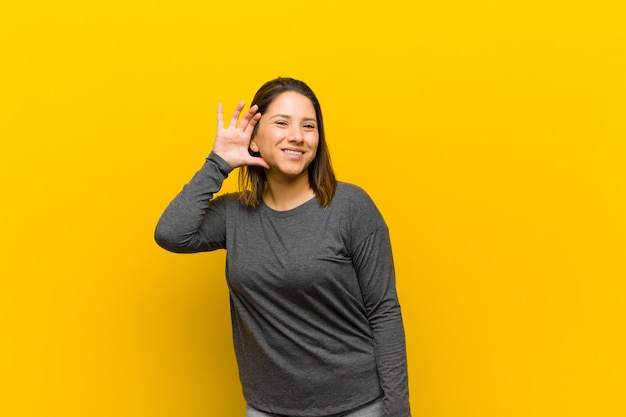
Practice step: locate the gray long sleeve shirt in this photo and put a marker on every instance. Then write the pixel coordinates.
(316, 322)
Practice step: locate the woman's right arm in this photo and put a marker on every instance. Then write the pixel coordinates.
(189, 224)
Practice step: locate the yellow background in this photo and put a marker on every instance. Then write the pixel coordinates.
(490, 133)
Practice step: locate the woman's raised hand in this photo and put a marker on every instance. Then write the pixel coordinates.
(232, 142)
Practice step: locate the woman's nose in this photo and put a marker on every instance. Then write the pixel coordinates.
(295, 134)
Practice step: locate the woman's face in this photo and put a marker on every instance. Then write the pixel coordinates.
(287, 135)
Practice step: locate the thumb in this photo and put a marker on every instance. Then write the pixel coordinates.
(257, 161)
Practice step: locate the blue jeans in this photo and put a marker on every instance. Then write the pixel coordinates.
(372, 409)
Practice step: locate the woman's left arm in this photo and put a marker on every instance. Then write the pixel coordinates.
(373, 262)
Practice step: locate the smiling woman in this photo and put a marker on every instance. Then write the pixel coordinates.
(284, 100)
(286, 138)
(316, 320)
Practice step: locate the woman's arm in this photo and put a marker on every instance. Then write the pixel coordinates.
(370, 250)
(374, 265)
(189, 224)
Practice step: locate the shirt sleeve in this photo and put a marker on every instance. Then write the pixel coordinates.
(189, 223)
(373, 262)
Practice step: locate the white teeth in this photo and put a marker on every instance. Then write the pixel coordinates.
(290, 152)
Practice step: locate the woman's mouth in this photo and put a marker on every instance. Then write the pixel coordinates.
(293, 152)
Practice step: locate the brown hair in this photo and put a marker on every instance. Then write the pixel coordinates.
(322, 179)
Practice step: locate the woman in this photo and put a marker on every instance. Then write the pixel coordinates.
(316, 321)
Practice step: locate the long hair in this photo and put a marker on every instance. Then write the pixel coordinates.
(252, 179)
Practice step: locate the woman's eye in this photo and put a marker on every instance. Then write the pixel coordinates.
(309, 126)
(281, 123)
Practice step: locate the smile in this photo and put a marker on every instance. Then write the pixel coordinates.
(292, 152)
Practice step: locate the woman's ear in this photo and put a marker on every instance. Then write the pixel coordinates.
(253, 149)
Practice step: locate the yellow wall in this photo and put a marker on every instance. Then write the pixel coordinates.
(490, 133)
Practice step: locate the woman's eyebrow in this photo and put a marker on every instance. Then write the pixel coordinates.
(286, 116)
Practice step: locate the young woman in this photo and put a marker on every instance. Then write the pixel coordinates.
(316, 321)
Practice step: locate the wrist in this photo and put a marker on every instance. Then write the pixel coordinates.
(221, 163)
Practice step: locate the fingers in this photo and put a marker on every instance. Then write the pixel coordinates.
(235, 116)
(220, 116)
(250, 119)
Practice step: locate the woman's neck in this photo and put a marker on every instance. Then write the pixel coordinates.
(286, 195)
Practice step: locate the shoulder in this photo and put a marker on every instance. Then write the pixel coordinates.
(356, 201)
(347, 192)
(229, 200)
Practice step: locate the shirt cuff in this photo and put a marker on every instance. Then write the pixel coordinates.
(222, 165)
